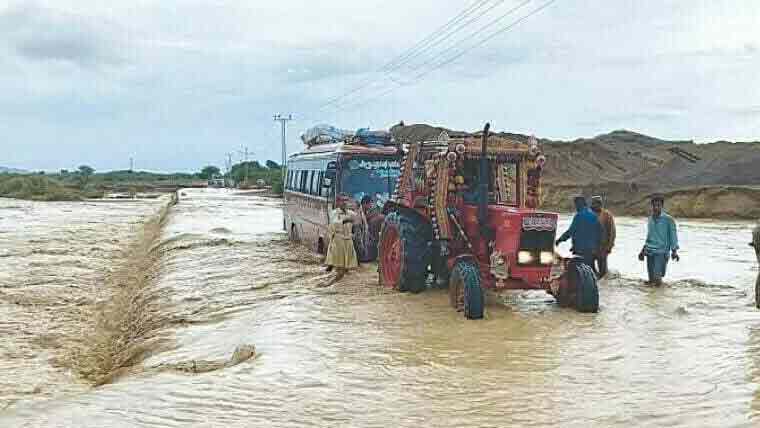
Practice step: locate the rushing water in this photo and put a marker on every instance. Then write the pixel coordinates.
(222, 276)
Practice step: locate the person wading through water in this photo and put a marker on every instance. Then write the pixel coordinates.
(756, 245)
(373, 221)
(341, 254)
(607, 241)
(585, 231)
(661, 243)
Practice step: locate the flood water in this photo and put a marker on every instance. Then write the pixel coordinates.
(105, 324)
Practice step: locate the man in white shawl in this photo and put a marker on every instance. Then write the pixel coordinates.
(341, 254)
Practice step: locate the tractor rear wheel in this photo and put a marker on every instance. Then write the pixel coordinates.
(404, 252)
(465, 291)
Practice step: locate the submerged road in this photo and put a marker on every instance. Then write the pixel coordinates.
(224, 277)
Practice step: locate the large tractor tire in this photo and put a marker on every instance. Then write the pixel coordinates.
(586, 290)
(465, 291)
(403, 252)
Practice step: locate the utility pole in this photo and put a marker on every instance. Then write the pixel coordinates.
(131, 164)
(244, 152)
(283, 122)
(228, 168)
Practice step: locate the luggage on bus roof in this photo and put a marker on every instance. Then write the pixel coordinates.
(326, 134)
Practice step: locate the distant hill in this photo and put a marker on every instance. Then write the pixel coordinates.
(5, 170)
(626, 166)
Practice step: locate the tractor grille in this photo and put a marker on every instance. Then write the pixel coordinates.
(537, 240)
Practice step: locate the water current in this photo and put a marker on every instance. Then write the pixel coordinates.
(123, 315)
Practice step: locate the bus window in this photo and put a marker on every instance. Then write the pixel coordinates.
(309, 179)
(315, 183)
(373, 177)
(324, 189)
(302, 184)
(288, 179)
(318, 184)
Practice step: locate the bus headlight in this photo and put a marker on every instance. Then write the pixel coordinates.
(546, 257)
(525, 257)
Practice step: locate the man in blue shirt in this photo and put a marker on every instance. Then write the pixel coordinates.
(661, 243)
(585, 230)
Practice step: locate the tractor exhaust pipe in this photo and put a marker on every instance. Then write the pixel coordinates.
(484, 179)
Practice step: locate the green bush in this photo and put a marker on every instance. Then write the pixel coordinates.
(37, 188)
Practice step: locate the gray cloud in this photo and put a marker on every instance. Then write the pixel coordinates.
(177, 83)
(40, 34)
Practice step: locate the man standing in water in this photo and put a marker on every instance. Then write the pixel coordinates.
(585, 231)
(608, 234)
(756, 244)
(661, 243)
(341, 254)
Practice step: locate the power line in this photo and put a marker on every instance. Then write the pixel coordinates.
(400, 60)
(454, 57)
(475, 33)
(283, 122)
(445, 37)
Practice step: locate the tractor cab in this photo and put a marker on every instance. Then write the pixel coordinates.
(467, 207)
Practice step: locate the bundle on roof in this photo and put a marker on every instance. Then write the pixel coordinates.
(326, 134)
(365, 136)
(323, 134)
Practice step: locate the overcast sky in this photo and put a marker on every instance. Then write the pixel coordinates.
(178, 83)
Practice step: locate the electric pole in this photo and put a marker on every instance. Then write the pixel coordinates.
(244, 152)
(228, 173)
(283, 122)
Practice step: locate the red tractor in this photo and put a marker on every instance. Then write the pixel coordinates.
(465, 208)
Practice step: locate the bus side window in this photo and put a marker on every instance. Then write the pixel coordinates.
(315, 183)
(289, 179)
(302, 183)
(318, 184)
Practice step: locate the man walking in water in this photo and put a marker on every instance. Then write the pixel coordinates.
(661, 243)
(608, 234)
(585, 231)
(756, 244)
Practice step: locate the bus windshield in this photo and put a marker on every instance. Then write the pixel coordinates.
(369, 176)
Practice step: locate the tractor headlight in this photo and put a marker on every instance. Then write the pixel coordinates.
(525, 257)
(546, 257)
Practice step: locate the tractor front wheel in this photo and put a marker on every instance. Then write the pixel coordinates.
(403, 252)
(578, 289)
(465, 291)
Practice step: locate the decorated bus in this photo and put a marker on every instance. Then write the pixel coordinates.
(362, 166)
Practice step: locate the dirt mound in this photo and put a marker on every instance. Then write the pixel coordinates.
(627, 166)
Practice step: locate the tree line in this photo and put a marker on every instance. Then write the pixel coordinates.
(248, 172)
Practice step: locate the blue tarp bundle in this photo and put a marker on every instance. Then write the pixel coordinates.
(373, 137)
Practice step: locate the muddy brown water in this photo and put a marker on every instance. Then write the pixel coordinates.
(91, 339)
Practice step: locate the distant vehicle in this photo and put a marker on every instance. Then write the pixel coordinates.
(467, 209)
(261, 183)
(329, 168)
(216, 182)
